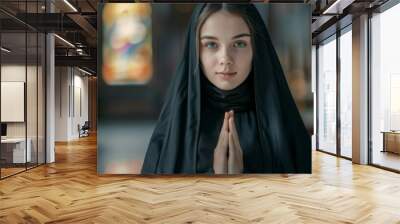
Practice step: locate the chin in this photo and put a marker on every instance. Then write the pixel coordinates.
(226, 86)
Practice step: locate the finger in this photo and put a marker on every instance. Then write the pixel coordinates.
(235, 159)
(223, 138)
(231, 113)
(235, 136)
(226, 125)
(235, 151)
(232, 127)
(230, 116)
(231, 151)
(231, 144)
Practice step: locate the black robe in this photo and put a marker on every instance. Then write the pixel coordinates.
(271, 132)
(215, 102)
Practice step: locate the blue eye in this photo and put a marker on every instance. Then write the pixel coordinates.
(210, 45)
(240, 44)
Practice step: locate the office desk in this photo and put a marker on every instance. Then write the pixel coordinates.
(391, 141)
(13, 150)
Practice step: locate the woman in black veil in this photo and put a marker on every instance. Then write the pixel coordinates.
(228, 109)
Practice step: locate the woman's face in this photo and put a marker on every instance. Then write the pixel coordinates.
(226, 51)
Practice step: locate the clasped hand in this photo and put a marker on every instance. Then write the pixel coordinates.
(228, 155)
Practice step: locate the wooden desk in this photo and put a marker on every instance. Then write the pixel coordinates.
(391, 141)
(13, 150)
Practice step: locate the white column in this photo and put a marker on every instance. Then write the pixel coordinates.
(360, 90)
(50, 93)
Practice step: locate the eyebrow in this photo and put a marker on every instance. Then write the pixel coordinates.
(234, 37)
(241, 35)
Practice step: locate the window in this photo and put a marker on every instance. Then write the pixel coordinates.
(385, 88)
(327, 95)
(346, 92)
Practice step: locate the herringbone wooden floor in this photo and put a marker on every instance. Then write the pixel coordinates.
(70, 191)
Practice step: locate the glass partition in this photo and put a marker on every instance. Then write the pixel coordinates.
(32, 95)
(22, 77)
(327, 95)
(14, 153)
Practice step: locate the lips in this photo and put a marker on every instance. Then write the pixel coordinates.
(226, 75)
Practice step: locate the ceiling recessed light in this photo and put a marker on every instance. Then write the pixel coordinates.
(84, 71)
(337, 7)
(70, 5)
(64, 40)
(5, 50)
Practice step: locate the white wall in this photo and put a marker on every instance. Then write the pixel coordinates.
(71, 94)
(12, 101)
(16, 73)
(62, 81)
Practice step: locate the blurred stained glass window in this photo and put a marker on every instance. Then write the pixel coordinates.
(126, 43)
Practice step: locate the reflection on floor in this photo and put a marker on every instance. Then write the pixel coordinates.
(387, 159)
(70, 191)
(10, 169)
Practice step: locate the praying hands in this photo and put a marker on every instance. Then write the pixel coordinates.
(228, 155)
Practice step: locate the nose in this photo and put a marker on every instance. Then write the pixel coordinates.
(225, 58)
(225, 62)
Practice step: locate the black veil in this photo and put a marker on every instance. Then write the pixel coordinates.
(283, 137)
